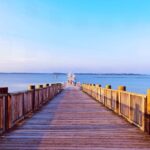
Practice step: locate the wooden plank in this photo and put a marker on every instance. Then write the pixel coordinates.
(73, 120)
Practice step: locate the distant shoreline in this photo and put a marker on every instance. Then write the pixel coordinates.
(57, 73)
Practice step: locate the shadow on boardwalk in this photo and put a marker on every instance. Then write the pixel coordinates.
(72, 121)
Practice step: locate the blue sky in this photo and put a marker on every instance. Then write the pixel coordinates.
(103, 36)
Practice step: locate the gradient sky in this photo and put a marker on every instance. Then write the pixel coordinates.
(103, 36)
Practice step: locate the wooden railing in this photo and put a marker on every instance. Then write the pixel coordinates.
(16, 106)
(133, 107)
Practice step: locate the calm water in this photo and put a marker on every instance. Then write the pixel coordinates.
(19, 82)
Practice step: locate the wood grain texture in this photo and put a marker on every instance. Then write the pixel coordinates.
(131, 106)
(74, 121)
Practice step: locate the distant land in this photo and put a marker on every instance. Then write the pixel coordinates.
(61, 73)
(108, 74)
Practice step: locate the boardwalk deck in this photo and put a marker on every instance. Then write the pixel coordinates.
(74, 121)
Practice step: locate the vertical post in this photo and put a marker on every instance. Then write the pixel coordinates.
(54, 89)
(87, 86)
(106, 99)
(40, 87)
(4, 90)
(50, 92)
(122, 88)
(90, 90)
(93, 91)
(32, 88)
(98, 86)
(118, 102)
(57, 86)
(147, 120)
(46, 92)
(47, 85)
(108, 87)
(5, 113)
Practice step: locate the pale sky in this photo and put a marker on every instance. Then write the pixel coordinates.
(101, 36)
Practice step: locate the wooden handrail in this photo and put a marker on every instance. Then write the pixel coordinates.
(132, 106)
(16, 106)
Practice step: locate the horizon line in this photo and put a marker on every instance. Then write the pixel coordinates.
(91, 73)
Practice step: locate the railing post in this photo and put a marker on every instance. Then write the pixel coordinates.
(4, 90)
(122, 88)
(84, 88)
(93, 90)
(98, 91)
(90, 92)
(47, 85)
(147, 119)
(4, 107)
(108, 86)
(118, 105)
(40, 87)
(57, 88)
(87, 90)
(46, 92)
(49, 91)
(105, 95)
(52, 90)
(32, 88)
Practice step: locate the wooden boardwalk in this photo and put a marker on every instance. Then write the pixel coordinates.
(74, 121)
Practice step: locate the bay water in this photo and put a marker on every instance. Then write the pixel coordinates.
(20, 81)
